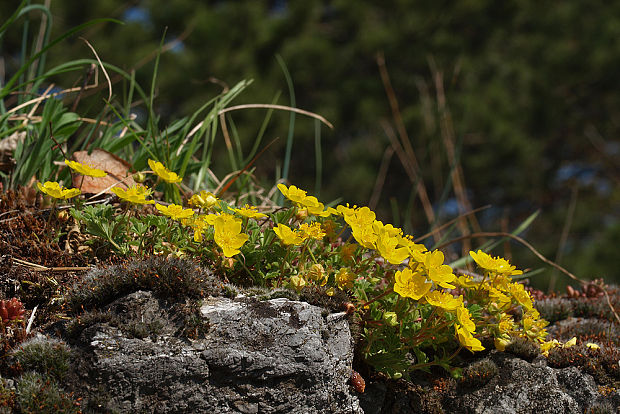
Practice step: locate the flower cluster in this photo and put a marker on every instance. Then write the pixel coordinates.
(500, 294)
(414, 309)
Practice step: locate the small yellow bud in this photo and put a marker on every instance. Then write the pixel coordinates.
(501, 343)
(297, 282)
(63, 216)
(139, 177)
(302, 214)
(390, 318)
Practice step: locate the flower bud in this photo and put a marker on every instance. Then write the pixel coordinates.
(501, 343)
(63, 216)
(390, 318)
(139, 177)
(297, 282)
(302, 214)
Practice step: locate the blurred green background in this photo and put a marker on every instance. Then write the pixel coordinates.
(515, 104)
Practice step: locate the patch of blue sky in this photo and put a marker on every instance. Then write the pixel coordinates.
(137, 14)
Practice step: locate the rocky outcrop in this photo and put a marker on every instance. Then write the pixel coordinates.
(273, 356)
(515, 386)
(165, 336)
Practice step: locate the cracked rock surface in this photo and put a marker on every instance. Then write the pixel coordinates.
(273, 356)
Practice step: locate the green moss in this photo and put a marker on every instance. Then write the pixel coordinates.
(168, 278)
(77, 325)
(43, 355)
(478, 373)
(7, 397)
(554, 309)
(523, 348)
(36, 393)
(601, 363)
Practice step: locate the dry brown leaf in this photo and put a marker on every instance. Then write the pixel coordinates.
(117, 169)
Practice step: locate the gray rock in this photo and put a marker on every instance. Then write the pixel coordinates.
(275, 356)
(519, 387)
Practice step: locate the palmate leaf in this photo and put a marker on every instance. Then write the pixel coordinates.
(101, 222)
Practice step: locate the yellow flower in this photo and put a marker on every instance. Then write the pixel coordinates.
(464, 318)
(506, 324)
(198, 224)
(465, 281)
(175, 211)
(164, 173)
(497, 264)
(250, 212)
(362, 217)
(287, 236)
(345, 278)
(467, 340)
(315, 207)
(593, 346)
(52, 188)
(416, 251)
(364, 235)
(228, 234)
(534, 326)
(204, 199)
(437, 271)
(545, 347)
(136, 194)
(521, 295)
(387, 245)
(498, 297)
(570, 342)
(444, 300)
(501, 343)
(85, 169)
(345, 211)
(292, 193)
(388, 229)
(313, 231)
(210, 218)
(411, 285)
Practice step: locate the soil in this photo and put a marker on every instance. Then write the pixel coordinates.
(41, 255)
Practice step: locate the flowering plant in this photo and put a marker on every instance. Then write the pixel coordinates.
(414, 310)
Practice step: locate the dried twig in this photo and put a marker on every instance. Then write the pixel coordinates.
(39, 268)
(520, 240)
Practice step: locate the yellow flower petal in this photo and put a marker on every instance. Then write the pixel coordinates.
(85, 169)
(164, 173)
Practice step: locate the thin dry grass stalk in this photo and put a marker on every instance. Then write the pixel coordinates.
(404, 149)
(458, 179)
(540, 256)
(279, 107)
